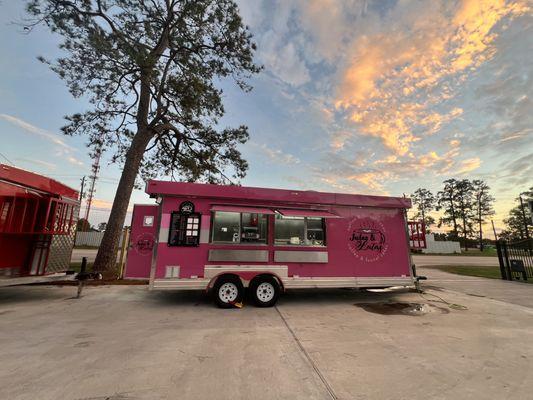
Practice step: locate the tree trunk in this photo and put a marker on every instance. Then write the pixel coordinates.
(464, 234)
(454, 218)
(107, 252)
(480, 228)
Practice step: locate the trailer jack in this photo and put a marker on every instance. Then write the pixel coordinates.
(417, 283)
(83, 276)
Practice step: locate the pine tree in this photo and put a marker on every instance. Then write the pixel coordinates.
(424, 200)
(149, 70)
(484, 206)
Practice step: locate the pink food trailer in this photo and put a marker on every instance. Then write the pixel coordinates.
(227, 239)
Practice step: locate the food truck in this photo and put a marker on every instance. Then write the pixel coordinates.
(228, 239)
(38, 218)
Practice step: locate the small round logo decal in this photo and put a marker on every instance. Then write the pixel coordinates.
(144, 244)
(366, 239)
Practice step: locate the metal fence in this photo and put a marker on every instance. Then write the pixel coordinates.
(92, 239)
(516, 259)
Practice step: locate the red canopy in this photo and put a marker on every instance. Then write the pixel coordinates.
(28, 179)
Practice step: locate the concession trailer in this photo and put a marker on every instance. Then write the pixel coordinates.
(228, 238)
(38, 217)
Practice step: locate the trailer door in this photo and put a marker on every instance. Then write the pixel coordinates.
(142, 241)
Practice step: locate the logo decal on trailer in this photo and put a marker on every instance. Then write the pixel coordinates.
(367, 240)
(186, 207)
(144, 244)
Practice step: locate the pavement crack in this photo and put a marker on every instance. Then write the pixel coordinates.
(308, 357)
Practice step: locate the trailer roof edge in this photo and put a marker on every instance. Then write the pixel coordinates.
(185, 189)
(35, 181)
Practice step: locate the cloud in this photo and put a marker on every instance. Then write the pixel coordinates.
(276, 155)
(396, 80)
(38, 162)
(400, 94)
(518, 171)
(43, 133)
(101, 204)
(365, 172)
(63, 150)
(283, 60)
(73, 160)
(468, 165)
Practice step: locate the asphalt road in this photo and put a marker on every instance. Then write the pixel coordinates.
(77, 255)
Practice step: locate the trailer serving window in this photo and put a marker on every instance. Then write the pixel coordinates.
(299, 231)
(239, 227)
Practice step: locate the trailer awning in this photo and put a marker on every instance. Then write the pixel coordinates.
(242, 209)
(306, 213)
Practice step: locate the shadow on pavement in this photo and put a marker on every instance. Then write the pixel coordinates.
(198, 298)
(193, 298)
(23, 293)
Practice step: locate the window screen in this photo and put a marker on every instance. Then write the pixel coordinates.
(315, 231)
(302, 231)
(234, 227)
(253, 228)
(226, 227)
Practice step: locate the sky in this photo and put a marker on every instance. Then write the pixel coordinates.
(374, 97)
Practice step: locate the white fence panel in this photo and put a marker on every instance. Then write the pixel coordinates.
(92, 239)
(434, 246)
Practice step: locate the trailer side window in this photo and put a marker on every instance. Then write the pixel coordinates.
(299, 231)
(234, 227)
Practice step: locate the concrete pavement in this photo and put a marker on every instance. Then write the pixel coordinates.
(123, 342)
(496, 289)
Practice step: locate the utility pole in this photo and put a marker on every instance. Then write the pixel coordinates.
(82, 186)
(94, 176)
(494, 230)
(524, 217)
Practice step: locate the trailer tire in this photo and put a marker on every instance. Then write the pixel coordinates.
(265, 291)
(227, 291)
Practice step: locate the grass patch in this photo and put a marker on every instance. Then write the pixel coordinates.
(490, 272)
(76, 266)
(471, 252)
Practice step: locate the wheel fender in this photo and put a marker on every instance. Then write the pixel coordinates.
(246, 277)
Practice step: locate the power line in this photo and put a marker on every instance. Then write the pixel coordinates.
(7, 159)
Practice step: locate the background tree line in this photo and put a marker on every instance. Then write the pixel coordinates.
(518, 219)
(466, 206)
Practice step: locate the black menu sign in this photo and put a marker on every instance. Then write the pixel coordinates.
(184, 226)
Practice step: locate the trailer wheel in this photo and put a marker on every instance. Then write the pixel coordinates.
(227, 291)
(265, 291)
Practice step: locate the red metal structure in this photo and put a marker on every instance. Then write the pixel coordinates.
(38, 217)
(417, 235)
